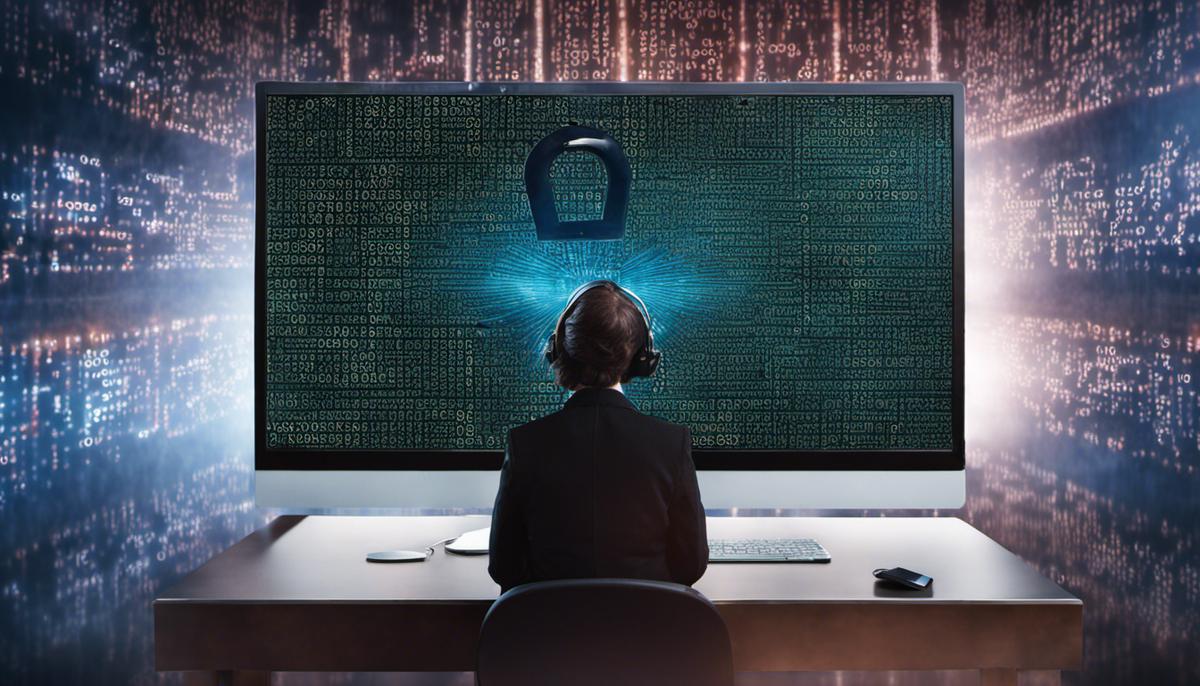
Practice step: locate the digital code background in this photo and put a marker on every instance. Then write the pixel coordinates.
(795, 254)
(126, 240)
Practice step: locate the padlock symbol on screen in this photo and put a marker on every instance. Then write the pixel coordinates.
(611, 226)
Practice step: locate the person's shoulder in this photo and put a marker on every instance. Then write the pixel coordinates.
(669, 441)
(669, 432)
(662, 425)
(535, 426)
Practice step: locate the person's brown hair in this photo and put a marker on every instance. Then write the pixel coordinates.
(599, 339)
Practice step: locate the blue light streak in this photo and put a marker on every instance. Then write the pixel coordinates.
(529, 284)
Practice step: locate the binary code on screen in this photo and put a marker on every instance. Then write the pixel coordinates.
(795, 253)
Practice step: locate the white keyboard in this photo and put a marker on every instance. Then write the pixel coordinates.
(766, 550)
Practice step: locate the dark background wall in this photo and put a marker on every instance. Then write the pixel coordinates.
(126, 187)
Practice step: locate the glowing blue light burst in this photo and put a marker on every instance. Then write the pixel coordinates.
(528, 286)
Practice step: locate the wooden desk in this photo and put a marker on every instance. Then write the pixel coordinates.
(297, 595)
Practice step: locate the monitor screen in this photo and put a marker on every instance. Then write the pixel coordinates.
(796, 252)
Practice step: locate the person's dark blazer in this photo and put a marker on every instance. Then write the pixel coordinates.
(598, 489)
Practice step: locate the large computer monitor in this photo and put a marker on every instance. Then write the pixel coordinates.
(799, 248)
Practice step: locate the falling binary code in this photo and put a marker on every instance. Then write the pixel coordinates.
(796, 253)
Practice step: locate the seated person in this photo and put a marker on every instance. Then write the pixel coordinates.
(598, 489)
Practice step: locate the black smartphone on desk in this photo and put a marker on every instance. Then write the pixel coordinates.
(904, 577)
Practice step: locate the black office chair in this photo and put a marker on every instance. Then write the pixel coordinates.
(603, 631)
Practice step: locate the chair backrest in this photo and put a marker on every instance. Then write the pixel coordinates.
(603, 631)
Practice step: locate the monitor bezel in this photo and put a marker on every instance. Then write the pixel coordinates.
(304, 459)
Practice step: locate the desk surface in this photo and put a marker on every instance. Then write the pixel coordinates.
(320, 559)
(307, 575)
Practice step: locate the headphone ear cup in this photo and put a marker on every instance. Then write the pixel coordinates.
(645, 363)
(652, 362)
(551, 351)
